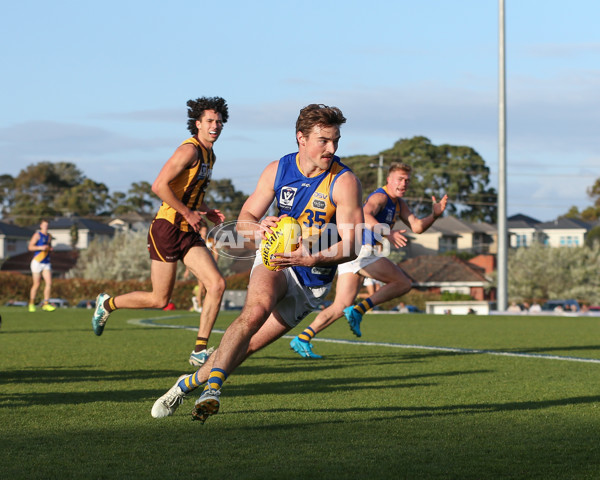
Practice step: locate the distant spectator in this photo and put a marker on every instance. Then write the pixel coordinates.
(514, 308)
(402, 308)
(535, 308)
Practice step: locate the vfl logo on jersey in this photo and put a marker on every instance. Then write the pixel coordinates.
(204, 172)
(389, 216)
(286, 197)
(318, 204)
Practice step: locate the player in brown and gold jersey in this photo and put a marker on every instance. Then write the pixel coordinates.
(174, 233)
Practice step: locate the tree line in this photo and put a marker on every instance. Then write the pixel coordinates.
(50, 189)
(47, 189)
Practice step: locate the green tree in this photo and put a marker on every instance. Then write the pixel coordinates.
(74, 234)
(124, 257)
(591, 213)
(83, 199)
(458, 171)
(222, 195)
(593, 236)
(541, 272)
(50, 189)
(117, 204)
(7, 193)
(141, 198)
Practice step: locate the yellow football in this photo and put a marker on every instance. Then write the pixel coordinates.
(284, 239)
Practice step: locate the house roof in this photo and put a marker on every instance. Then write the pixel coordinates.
(65, 223)
(564, 223)
(519, 217)
(440, 268)
(521, 224)
(452, 227)
(132, 217)
(62, 261)
(11, 230)
(400, 225)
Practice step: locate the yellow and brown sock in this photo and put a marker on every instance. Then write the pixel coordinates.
(201, 343)
(109, 304)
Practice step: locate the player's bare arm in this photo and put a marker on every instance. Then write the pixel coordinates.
(184, 157)
(214, 215)
(249, 222)
(374, 205)
(32, 243)
(419, 225)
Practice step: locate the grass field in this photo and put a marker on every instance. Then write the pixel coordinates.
(73, 405)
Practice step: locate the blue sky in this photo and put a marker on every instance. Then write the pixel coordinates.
(104, 85)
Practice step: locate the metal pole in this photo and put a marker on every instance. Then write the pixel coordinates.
(380, 172)
(502, 267)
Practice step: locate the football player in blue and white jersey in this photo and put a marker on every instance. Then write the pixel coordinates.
(313, 186)
(382, 208)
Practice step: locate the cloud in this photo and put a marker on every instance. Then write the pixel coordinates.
(152, 115)
(562, 50)
(53, 138)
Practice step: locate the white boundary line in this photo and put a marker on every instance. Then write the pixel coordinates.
(152, 322)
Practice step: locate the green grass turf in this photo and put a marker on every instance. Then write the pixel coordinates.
(73, 405)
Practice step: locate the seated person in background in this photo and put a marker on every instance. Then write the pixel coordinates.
(535, 308)
(514, 308)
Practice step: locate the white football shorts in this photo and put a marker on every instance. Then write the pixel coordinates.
(37, 267)
(366, 256)
(372, 281)
(299, 300)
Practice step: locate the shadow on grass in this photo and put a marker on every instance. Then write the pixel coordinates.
(45, 375)
(574, 348)
(411, 412)
(50, 376)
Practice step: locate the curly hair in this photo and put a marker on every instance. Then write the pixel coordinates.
(318, 114)
(197, 107)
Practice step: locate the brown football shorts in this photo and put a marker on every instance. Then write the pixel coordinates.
(166, 243)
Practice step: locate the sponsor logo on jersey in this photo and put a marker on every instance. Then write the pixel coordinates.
(319, 204)
(204, 172)
(286, 197)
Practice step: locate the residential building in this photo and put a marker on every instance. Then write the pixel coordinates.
(524, 231)
(451, 234)
(440, 273)
(87, 230)
(132, 221)
(564, 232)
(13, 239)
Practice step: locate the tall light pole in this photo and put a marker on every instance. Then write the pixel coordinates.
(502, 258)
(379, 168)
